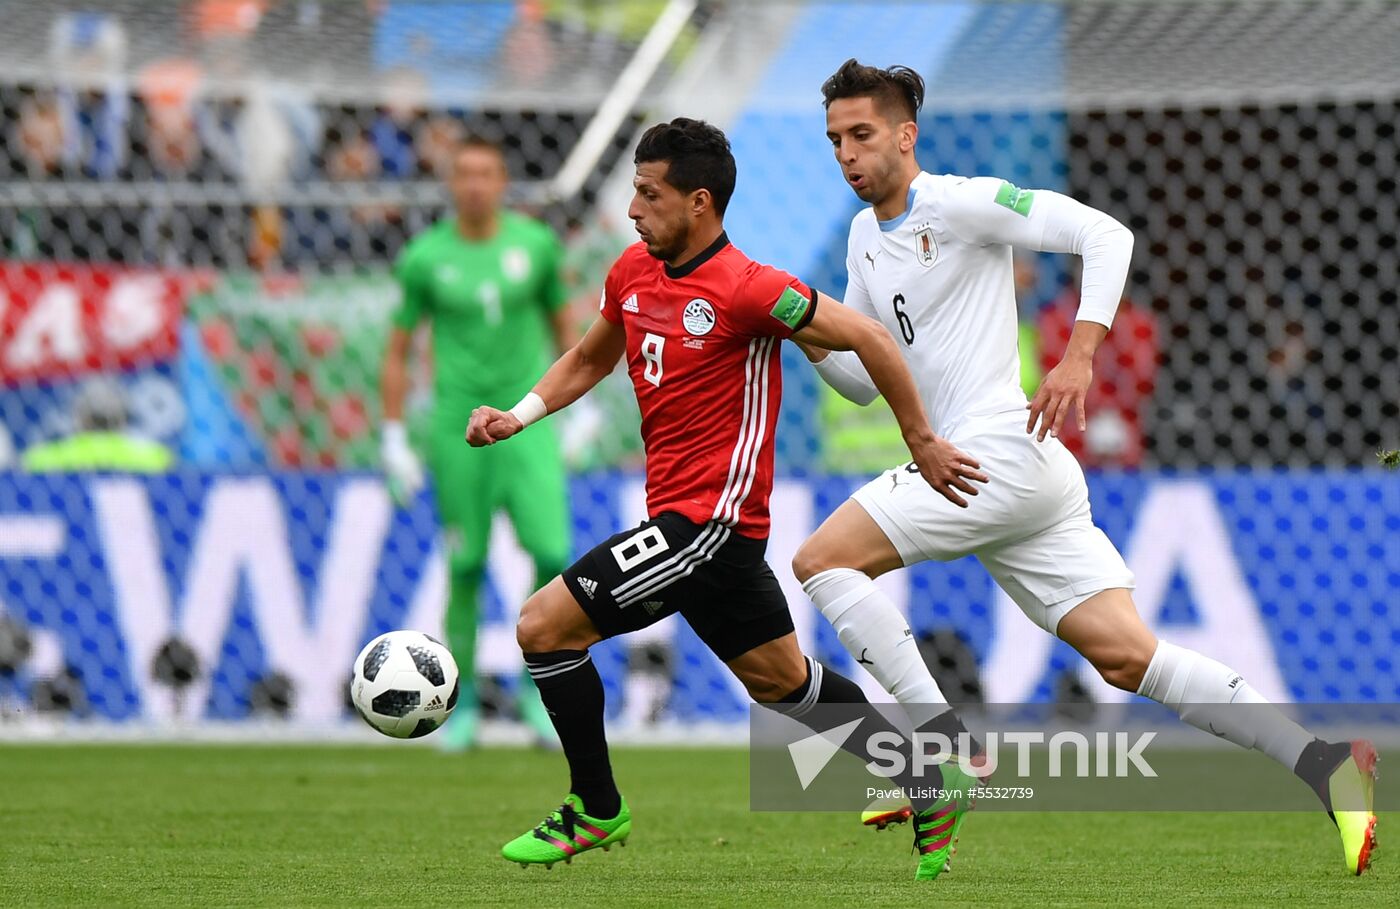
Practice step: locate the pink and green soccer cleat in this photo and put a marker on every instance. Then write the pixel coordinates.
(936, 829)
(567, 832)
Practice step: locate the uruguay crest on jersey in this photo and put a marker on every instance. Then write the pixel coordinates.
(925, 247)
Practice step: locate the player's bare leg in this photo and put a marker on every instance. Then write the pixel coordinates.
(771, 671)
(1108, 632)
(849, 538)
(554, 634)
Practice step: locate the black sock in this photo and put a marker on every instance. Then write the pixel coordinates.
(950, 726)
(1316, 764)
(826, 687)
(572, 692)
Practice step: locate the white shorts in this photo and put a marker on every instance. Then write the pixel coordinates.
(1030, 526)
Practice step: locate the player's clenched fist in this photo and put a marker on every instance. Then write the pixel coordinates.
(947, 469)
(489, 426)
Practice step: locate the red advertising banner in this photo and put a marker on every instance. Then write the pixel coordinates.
(60, 321)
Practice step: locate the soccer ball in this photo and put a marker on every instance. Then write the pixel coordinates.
(404, 684)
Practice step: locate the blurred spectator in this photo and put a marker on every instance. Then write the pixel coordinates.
(88, 45)
(356, 160)
(277, 134)
(1125, 373)
(360, 232)
(172, 143)
(269, 152)
(95, 126)
(89, 50)
(39, 135)
(1289, 356)
(222, 29)
(437, 143)
(215, 20)
(528, 49)
(166, 133)
(1292, 384)
(101, 440)
(217, 119)
(394, 122)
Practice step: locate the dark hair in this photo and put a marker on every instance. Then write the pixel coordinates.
(698, 155)
(480, 140)
(898, 88)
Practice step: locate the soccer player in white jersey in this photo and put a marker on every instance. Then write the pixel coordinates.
(931, 259)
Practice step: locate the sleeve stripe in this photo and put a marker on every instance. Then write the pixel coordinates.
(811, 310)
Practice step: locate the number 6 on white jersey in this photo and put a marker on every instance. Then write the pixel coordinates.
(651, 352)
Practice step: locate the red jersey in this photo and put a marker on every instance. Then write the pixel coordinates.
(702, 351)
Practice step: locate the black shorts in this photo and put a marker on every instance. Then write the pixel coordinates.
(714, 577)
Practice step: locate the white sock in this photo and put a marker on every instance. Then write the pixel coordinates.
(876, 634)
(1200, 690)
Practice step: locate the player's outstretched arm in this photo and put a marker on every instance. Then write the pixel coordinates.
(572, 375)
(843, 372)
(984, 210)
(943, 466)
(842, 369)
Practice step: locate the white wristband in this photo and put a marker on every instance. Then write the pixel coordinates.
(530, 409)
(394, 434)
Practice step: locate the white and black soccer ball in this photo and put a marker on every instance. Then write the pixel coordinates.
(404, 684)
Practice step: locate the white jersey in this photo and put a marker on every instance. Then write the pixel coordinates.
(940, 279)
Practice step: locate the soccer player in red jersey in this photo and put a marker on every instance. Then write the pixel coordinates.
(700, 324)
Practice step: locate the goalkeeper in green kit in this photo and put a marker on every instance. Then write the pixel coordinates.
(488, 281)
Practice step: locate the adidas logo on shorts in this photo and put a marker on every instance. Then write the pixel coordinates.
(589, 586)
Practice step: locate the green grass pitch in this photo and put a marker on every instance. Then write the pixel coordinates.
(129, 825)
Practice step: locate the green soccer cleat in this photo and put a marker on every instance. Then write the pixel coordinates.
(936, 830)
(567, 832)
(1349, 794)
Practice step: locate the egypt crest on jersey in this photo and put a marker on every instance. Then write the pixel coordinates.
(699, 317)
(702, 352)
